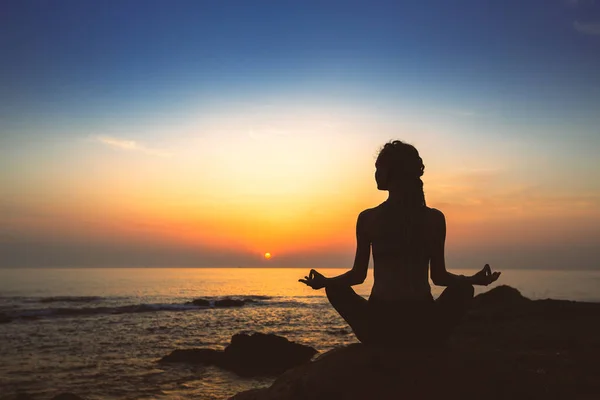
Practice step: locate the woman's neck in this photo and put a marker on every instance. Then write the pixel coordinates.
(396, 196)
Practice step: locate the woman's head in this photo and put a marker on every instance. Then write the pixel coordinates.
(399, 168)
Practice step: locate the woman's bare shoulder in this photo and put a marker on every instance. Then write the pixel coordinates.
(435, 219)
(434, 213)
(367, 214)
(370, 217)
(370, 212)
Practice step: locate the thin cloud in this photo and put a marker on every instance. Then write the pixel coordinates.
(130, 145)
(591, 28)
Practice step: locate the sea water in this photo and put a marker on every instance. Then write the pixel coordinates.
(99, 332)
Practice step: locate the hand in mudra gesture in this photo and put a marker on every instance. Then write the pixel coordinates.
(314, 279)
(485, 276)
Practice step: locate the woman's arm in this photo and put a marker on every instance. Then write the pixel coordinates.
(358, 273)
(439, 275)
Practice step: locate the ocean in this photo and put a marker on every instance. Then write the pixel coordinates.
(99, 332)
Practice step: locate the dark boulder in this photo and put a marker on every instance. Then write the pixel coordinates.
(248, 355)
(261, 354)
(501, 296)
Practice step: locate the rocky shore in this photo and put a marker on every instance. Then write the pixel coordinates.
(248, 355)
(509, 347)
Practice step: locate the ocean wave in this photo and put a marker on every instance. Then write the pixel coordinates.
(70, 299)
(255, 297)
(338, 332)
(228, 301)
(16, 300)
(197, 304)
(84, 311)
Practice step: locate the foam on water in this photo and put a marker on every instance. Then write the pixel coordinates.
(20, 307)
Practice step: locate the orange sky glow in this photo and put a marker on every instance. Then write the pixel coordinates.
(293, 189)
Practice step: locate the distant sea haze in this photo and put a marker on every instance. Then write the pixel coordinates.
(108, 327)
(173, 283)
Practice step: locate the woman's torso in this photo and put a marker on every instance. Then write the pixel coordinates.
(399, 241)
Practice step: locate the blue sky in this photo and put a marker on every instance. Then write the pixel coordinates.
(479, 86)
(94, 60)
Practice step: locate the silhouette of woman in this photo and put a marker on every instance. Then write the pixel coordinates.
(407, 239)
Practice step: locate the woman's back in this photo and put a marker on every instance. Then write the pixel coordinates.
(399, 240)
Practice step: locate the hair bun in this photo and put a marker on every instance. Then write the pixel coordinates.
(404, 159)
(404, 165)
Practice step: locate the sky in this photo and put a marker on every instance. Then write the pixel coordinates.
(207, 133)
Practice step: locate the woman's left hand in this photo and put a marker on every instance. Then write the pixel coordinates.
(485, 276)
(314, 279)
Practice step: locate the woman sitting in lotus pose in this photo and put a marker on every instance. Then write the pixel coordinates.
(407, 239)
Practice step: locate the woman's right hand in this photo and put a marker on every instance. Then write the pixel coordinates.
(485, 276)
(314, 279)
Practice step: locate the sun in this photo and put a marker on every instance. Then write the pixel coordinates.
(267, 256)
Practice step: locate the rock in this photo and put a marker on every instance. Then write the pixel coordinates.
(500, 303)
(261, 354)
(248, 355)
(66, 396)
(511, 348)
(360, 372)
(501, 296)
(199, 302)
(229, 303)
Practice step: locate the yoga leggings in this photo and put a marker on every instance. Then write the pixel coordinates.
(406, 323)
